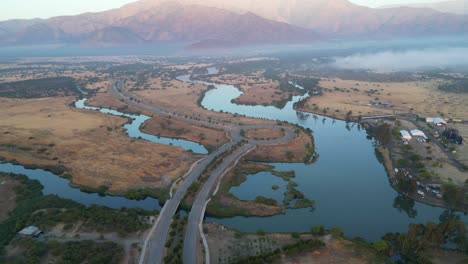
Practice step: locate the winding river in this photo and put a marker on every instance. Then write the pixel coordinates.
(61, 187)
(347, 182)
(133, 129)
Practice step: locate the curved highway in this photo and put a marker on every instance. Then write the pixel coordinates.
(154, 246)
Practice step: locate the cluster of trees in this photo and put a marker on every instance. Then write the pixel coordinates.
(33, 208)
(140, 194)
(38, 88)
(415, 245)
(454, 195)
(99, 218)
(87, 251)
(175, 240)
(26, 197)
(455, 86)
(383, 133)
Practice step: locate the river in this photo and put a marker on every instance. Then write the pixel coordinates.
(61, 187)
(348, 183)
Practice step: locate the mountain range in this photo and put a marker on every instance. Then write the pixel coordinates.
(454, 7)
(202, 23)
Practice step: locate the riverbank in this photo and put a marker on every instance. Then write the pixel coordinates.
(408, 172)
(66, 221)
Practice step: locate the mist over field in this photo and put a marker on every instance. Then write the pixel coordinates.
(414, 59)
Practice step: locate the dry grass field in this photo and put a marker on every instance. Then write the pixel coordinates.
(264, 133)
(257, 90)
(183, 97)
(341, 96)
(91, 146)
(167, 127)
(292, 151)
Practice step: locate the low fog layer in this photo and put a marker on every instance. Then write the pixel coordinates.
(391, 61)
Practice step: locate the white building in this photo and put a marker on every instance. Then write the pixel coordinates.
(439, 121)
(30, 231)
(405, 135)
(418, 133)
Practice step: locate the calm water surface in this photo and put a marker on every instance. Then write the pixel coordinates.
(60, 187)
(133, 129)
(348, 183)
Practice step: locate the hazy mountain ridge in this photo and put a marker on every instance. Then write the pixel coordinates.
(240, 22)
(165, 22)
(344, 19)
(455, 7)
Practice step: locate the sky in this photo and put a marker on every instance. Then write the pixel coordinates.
(10, 9)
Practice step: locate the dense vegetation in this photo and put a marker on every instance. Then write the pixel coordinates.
(174, 243)
(72, 252)
(39, 88)
(32, 208)
(455, 86)
(140, 194)
(416, 244)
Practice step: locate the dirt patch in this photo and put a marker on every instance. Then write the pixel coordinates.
(168, 127)
(264, 134)
(445, 256)
(103, 98)
(341, 96)
(336, 251)
(8, 196)
(227, 246)
(299, 149)
(91, 146)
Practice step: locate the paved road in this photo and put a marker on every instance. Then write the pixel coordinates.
(153, 250)
(191, 239)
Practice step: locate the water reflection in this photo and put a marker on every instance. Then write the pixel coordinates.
(406, 205)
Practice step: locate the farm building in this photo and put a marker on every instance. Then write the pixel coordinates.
(30, 231)
(405, 135)
(439, 121)
(418, 133)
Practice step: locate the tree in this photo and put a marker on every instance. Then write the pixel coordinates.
(336, 232)
(380, 246)
(318, 230)
(383, 134)
(453, 195)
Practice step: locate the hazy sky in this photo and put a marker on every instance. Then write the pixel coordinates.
(47, 8)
